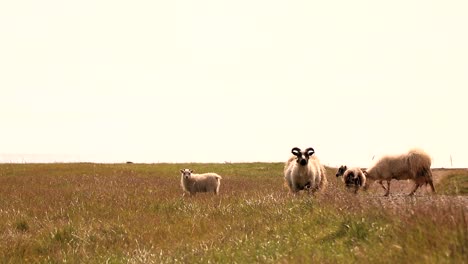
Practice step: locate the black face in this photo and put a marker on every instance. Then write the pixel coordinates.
(303, 156)
(341, 171)
(352, 180)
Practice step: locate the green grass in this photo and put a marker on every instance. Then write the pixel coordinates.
(135, 213)
(454, 184)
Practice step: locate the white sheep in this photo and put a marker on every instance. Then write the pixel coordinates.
(352, 177)
(193, 183)
(414, 165)
(303, 171)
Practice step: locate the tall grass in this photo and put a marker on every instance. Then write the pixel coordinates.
(454, 184)
(134, 213)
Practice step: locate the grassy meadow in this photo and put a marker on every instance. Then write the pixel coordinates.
(135, 213)
(455, 182)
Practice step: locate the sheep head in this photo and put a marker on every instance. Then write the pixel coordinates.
(351, 179)
(341, 170)
(303, 156)
(186, 173)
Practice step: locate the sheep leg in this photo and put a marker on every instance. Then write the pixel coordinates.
(368, 183)
(387, 193)
(416, 186)
(308, 188)
(381, 184)
(432, 186)
(429, 176)
(294, 189)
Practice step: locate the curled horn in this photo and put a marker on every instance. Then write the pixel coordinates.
(296, 151)
(310, 151)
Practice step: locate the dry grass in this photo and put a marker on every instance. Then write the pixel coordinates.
(134, 213)
(452, 182)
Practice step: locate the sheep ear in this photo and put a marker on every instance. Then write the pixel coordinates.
(296, 151)
(310, 151)
(345, 167)
(191, 171)
(182, 171)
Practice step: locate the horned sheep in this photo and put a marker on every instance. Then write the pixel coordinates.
(303, 171)
(414, 165)
(193, 183)
(352, 177)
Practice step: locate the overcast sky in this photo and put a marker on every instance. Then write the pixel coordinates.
(216, 81)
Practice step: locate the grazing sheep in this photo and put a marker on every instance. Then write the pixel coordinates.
(414, 165)
(352, 177)
(193, 183)
(303, 171)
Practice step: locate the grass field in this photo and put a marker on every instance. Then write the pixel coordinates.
(134, 213)
(455, 182)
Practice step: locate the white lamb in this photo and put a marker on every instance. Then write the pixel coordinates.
(303, 171)
(193, 183)
(352, 177)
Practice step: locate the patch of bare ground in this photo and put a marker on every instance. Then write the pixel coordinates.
(401, 201)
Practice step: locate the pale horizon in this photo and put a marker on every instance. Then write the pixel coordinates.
(244, 81)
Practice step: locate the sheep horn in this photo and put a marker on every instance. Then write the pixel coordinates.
(296, 151)
(310, 151)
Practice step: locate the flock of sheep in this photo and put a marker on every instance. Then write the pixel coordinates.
(303, 171)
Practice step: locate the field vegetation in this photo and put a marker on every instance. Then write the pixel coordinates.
(135, 213)
(454, 182)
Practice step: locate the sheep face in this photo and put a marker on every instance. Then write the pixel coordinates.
(302, 157)
(186, 173)
(341, 171)
(352, 180)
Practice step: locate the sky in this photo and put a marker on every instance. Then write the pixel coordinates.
(232, 81)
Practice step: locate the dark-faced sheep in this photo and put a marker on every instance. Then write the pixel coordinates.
(352, 177)
(193, 183)
(414, 165)
(303, 171)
